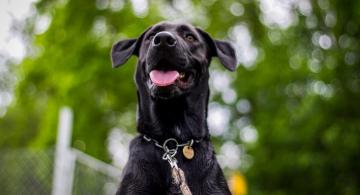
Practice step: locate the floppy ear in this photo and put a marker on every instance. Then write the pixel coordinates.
(123, 50)
(221, 49)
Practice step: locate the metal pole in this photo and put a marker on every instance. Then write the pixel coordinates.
(64, 157)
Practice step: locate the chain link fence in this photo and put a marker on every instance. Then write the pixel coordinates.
(94, 177)
(26, 171)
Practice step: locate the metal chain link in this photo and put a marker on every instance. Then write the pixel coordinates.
(169, 155)
(188, 143)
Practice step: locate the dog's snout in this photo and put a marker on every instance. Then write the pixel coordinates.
(164, 39)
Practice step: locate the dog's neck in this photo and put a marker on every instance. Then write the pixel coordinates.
(183, 118)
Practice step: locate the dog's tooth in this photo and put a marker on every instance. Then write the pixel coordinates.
(182, 75)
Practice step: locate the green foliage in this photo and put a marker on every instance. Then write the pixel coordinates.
(303, 94)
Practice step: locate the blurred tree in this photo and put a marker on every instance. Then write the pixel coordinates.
(305, 106)
(293, 105)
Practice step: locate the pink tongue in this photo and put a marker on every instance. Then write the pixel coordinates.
(163, 78)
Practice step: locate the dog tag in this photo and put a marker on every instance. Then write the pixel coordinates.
(188, 152)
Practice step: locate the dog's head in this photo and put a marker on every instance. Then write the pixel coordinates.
(173, 58)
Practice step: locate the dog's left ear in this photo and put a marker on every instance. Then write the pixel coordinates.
(221, 49)
(121, 51)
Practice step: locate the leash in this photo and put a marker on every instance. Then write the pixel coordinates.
(177, 173)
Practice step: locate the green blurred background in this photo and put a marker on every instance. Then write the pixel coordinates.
(288, 119)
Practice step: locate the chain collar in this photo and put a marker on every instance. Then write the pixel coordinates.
(170, 152)
(164, 145)
(177, 173)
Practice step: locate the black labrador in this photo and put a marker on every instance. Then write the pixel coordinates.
(172, 80)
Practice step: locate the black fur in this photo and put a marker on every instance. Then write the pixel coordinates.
(178, 111)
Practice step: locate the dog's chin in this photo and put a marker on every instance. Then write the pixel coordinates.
(164, 93)
(179, 88)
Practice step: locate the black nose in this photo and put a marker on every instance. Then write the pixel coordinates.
(164, 38)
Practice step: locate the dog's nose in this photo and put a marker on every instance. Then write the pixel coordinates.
(164, 38)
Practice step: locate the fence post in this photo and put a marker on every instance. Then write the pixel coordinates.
(64, 158)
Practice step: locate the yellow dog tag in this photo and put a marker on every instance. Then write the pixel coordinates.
(188, 152)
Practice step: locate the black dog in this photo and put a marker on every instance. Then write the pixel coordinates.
(172, 80)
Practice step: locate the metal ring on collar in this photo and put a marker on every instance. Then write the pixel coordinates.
(171, 153)
(166, 148)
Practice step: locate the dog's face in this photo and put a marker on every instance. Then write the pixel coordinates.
(173, 58)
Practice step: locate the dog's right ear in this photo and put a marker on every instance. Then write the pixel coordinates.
(123, 50)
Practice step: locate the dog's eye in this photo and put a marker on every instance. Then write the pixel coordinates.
(190, 37)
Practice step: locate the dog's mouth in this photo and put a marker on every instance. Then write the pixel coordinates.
(165, 78)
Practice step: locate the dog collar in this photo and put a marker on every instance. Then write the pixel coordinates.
(177, 173)
(187, 150)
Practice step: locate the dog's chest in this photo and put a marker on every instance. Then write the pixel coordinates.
(195, 169)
